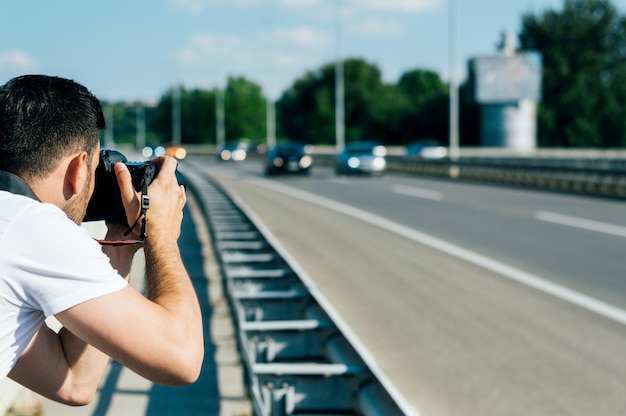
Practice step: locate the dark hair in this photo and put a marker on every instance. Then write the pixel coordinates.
(42, 119)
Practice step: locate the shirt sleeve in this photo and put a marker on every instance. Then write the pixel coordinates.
(59, 264)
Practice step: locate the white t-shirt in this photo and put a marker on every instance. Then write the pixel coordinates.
(47, 265)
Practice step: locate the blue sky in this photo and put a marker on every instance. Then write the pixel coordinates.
(136, 50)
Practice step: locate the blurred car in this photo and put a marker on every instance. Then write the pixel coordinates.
(427, 149)
(176, 151)
(289, 158)
(255, 148)
(361, 157)
(233, 151)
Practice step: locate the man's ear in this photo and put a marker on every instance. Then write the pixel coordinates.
(75, 175)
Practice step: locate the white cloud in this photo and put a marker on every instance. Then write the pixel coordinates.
(302, 36)
(198, 6)
(272, 58)
(378, 27)
(413, 6)
(212, 43)
(19, 61)
(301, 3)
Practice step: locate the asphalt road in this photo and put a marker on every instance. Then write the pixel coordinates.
(473, 299)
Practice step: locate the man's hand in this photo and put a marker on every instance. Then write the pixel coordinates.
(167, 199)
(131, 199)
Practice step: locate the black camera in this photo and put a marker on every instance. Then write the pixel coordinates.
(106, 201)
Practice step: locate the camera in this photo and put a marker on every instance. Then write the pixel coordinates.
(106, 201)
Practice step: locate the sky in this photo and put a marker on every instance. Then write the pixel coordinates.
(129, 50)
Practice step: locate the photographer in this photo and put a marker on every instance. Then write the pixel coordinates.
(49, 266)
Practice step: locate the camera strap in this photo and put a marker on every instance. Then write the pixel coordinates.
(12, 183)
(143, 216)
(145, 204)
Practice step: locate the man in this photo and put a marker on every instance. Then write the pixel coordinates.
(49, 150)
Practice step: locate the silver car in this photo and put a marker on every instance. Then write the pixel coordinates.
(361, 157)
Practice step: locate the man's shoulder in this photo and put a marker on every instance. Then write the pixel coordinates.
(23, 216)
(14, 205)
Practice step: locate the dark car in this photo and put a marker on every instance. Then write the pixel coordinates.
(233, 151)
(289, 158)
(361, 157)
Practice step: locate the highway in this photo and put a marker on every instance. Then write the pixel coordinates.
(472, 299)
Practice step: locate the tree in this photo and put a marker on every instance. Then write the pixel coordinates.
(306, 109)
(197, 114)
(372, 109)
(584, 69)
(245, 110)
(244, 113)
(124, 122)
(428, 113)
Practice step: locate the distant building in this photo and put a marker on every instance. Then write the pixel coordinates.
(507, 87)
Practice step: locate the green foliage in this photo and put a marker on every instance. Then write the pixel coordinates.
(245, 110)
(392, 114)
(584, 95)
(583, 48)
(125, 123)
(306, 111)
(429, 106)
(197, 114)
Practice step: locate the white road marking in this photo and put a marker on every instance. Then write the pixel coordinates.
(561, 292)
(601, 227)
(417, 192)
(336, 318)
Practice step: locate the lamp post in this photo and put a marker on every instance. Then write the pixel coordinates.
(270, 106)
(339, 84)
(141, 125)
(220, 136)
(176, 123)
(109, 139)
(270, 122)
(454, 88)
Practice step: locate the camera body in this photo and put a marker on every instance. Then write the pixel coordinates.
(106, 201)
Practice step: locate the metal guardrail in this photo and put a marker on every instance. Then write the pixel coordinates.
(298, 357)
(600, 172)
(601, 177)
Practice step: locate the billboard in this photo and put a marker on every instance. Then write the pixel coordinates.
(504, 78)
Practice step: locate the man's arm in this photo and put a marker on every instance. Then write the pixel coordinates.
(72, 368)
(159, 337)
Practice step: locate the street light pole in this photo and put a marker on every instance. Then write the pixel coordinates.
(141, 125)
(270, 122)
(220, 137)
(109, 140)
(176, 122)
(270, 107)
(454, 88)
(339, 84)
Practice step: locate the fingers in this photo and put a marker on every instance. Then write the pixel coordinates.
(130, 197)
(165, 164)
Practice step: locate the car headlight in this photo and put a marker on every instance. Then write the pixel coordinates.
(177, 152)
(159, 151)
(278, 162)
(146, 152)
(354, 162)
(379, 151)
(379, 163)
(239, 154)
(306, 161)
(225, 155)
